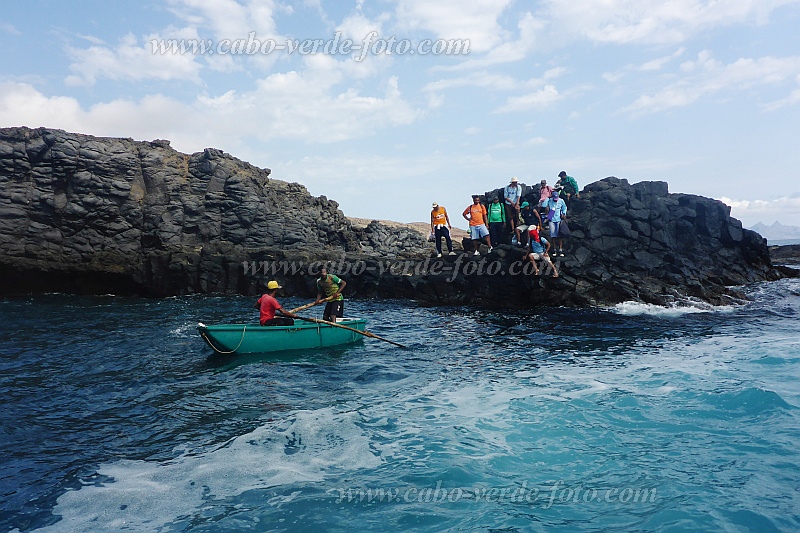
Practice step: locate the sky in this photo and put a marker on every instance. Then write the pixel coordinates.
(386, 107)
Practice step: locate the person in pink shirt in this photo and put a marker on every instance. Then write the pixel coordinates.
(545, 191)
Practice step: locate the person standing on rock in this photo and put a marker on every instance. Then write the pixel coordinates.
(512, 193)
(545, 191)
(568, 185)
(538, 250)
(267, 306)
(476, 215)
(556, 211)
(329, 288)
(497, 220)
(440, 227)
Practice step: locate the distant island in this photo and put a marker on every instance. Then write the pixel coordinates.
(84, 214)
(777, 233)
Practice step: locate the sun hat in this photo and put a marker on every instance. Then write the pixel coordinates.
(435, 204)
(544, 182)
(273, 285)
(514, 179)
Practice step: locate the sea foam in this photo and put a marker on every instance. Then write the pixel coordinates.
(146, 495)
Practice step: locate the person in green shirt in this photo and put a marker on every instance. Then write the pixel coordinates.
(569, 187)
(329, 288)
(497, 221)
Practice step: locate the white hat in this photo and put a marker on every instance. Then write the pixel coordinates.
(514, 179)
(435, 204)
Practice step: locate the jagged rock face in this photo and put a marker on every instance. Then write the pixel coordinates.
(634, 242)
(73, 205)
(98, 215)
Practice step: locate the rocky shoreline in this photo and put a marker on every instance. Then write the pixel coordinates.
(83, 214)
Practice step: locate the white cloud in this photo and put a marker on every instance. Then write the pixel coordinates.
(509, 50)
(786, 209)
(9, 28)
(516, 145)
(229, 19)
(131, 61)
(542, 98)
(652, 21)
(708, 76)
(476, 20)
(295, 105)
(658, 63)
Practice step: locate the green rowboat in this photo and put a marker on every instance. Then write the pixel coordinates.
(252, 338)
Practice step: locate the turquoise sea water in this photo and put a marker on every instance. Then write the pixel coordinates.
(117, 417)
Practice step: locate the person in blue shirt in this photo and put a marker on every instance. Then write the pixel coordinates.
(538, 250)
(556, 212)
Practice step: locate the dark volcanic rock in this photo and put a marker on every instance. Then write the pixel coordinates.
(98, 215)
(629, 242)
(140, 215)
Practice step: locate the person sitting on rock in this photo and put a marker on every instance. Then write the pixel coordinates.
(568, 186)
(530, 219)
(440, 227)
(268, 306)
(556, 211)
(476, 215)
(538, 249)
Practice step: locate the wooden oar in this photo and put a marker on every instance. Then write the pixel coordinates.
(365, 333)
(312, 304)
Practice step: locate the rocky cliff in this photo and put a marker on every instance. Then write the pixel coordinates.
(86, 214)
(95, 215)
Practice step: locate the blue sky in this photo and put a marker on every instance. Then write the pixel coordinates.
(702, 94)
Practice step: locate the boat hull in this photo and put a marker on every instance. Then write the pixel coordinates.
(252, 338)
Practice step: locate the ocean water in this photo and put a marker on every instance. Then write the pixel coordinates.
(116, 416)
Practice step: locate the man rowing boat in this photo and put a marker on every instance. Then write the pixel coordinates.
(331, 287)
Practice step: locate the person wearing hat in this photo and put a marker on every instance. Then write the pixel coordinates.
(331, 287)
(267, 306)
(512, 193)
(556, 211)
(440, 227)
(544, 191)
(476, 215)
(568, 185)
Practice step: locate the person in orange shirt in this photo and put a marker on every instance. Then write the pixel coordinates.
(476, 214)
(440, 227)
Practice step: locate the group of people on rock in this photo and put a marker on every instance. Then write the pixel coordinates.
(520, 218)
